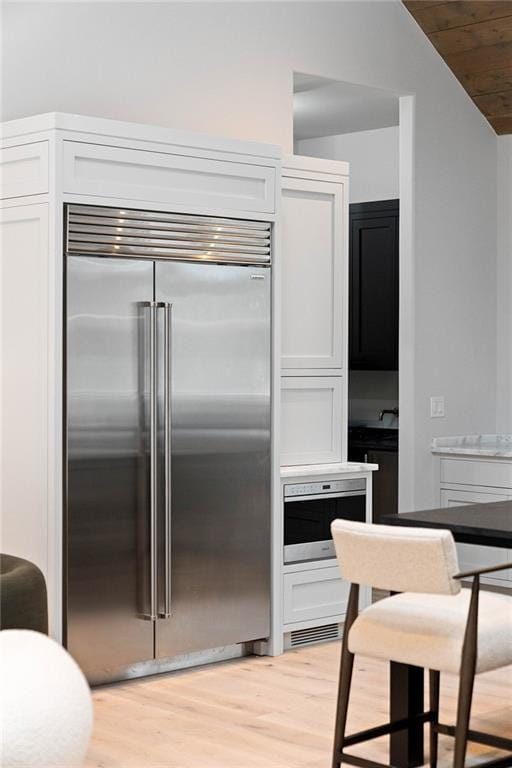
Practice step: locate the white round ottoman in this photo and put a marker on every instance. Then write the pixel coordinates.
(45, 703)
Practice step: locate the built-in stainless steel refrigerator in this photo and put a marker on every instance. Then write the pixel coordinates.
(167, 407)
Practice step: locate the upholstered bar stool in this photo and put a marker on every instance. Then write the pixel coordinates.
(432, 623)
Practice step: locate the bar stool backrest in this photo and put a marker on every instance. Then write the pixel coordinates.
(397, 559)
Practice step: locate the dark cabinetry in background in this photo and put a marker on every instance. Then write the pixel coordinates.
(385, 483)
(373, 343)
(378, 446)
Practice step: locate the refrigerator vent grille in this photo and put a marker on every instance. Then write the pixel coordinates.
(104, 231)
(314, 635)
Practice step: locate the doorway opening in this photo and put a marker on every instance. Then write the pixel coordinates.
(372, 130)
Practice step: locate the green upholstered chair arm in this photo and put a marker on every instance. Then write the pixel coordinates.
(23, 600)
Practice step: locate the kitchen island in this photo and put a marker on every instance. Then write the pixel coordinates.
(472, 470)
(496, 446)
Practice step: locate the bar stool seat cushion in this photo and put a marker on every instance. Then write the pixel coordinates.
(428, 630)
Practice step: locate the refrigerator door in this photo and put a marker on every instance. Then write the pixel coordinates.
(107, 520)
(219, 569)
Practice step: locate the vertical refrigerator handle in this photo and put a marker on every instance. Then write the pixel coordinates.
(167, 460)
(153, 472)
(156, 607)
(149, 610)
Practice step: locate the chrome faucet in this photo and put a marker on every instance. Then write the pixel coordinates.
(394, 411)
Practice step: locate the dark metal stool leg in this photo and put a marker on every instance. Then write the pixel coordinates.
(434, 708)
(467, 678)
(347, 664)
(346, 667)
(463, 713)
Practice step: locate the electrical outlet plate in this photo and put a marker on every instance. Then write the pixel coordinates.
(437, 407)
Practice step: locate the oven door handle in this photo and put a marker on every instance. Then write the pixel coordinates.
(327, 496)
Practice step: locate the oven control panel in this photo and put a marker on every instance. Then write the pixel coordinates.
(324, 487)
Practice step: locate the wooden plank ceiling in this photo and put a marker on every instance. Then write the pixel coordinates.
(474, 37)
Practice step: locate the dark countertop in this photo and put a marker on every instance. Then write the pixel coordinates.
(373, 438)
(487, 524)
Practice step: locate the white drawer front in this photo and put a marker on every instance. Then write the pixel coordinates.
(456, 498)
(311, 410)
(314, 594)
(93, 169)
(24, 170)
(497, 474)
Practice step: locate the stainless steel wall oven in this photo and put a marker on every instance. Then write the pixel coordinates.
(310, 508)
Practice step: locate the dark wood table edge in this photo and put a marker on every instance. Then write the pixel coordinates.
(464, 534)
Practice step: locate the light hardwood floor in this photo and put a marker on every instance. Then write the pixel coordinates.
(262, 712)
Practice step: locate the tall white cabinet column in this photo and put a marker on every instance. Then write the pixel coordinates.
(310, 597)
(25, 371)
(314, 311)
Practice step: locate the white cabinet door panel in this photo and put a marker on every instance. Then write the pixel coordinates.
(313, 276)
(314, 594)
(24, 396)
(472, 556)
(311, 412)
(24, 170)
(118, 172)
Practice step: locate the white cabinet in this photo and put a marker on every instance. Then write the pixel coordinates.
(165, 177)
(314, 311)
(495, 476)
(314, 594)
(24, 403)
(24, 170)
(311, 417)
(312, 275)
(473, 481)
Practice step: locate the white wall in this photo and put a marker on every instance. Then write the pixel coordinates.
(504, 274)
(373, 158)
(228, 69)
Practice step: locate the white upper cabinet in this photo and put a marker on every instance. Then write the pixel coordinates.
(166, 177)
(314, 310)
(311, 419)
(314, 278)
(24, 170)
